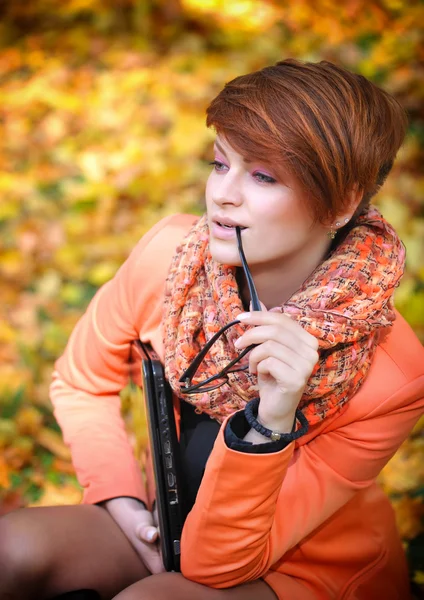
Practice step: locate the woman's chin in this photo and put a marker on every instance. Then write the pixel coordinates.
(225, 256)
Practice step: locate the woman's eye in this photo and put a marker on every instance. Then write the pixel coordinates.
(264, 178)
(218, 165)
(261, 177)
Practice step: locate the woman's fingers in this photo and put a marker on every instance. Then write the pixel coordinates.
(282, 322)
(148, 549)
(298, 362)
(266, 333)
(147, 533)
(284, 377)
(283, 357)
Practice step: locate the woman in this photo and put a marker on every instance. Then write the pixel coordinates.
(286, 506)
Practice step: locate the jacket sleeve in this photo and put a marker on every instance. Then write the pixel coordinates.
(235, 431)
(93, 370)
(252, 508)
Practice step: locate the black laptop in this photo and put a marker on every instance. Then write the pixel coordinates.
(165, 455)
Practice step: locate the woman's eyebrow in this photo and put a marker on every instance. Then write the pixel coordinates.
(221, 149)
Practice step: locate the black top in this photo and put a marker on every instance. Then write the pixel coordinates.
(198, 434)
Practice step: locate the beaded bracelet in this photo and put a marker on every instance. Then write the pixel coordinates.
(251, 412)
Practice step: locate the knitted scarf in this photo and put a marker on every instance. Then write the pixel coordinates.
(344, 303)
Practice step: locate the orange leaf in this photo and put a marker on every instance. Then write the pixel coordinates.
(4, 473)
(63, 466)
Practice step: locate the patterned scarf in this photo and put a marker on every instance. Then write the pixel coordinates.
(344, 303)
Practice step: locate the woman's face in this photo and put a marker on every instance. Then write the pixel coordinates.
(278, 229)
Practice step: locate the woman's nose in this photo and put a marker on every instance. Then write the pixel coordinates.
(228, 192)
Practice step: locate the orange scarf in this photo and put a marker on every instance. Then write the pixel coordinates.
(344, 303)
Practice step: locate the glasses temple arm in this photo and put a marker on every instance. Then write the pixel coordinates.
(256, 305)
(189, 373)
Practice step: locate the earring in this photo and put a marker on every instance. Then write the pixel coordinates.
(333, 232)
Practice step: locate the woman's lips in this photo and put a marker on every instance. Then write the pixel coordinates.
(221, 232)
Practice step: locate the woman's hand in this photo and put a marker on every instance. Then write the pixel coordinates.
(138, 525)
(283, 361)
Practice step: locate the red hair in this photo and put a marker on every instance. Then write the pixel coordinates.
(331, 129)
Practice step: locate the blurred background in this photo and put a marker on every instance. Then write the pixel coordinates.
(102, 108)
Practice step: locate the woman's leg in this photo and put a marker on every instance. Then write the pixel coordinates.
(175, 586)
(47, 551)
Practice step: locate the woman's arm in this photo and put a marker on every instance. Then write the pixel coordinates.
(252, 508)
(94, 367)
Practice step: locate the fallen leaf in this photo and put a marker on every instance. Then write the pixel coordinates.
(4, 474)
(59, 496)
(53, 442)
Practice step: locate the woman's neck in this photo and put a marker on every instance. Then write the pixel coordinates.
(277, 283)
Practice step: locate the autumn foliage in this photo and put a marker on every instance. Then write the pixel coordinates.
(102, 114)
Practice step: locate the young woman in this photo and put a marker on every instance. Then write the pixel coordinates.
(280, 459)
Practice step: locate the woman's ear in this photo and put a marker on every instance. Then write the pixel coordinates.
(355, 198)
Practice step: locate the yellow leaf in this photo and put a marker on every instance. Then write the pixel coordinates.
(58, 496)
(419, 577)
(11, 263)
(53, 442)
(93, 165)
(419, 426)
(29, 420)
(409, 513)
(8, 432)
(20, 453)
(404, 473)
(102, 272)
(8, 209)
(7, 333)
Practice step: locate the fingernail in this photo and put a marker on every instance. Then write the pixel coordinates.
(237, 342)
(150, 534)
(243, 316)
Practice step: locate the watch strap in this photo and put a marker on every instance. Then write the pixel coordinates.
(251, 413)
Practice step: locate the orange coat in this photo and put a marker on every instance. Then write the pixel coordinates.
(309, 519)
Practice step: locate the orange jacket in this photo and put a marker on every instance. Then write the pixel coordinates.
(309, 519)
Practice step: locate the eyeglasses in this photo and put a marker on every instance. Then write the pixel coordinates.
(219, 379)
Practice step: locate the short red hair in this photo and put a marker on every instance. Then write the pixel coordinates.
(333, 130)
